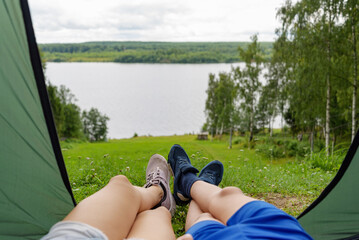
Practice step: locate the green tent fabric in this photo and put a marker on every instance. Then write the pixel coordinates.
(335, 214)
(35, 191)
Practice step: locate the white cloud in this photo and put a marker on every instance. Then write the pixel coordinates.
(156, 20)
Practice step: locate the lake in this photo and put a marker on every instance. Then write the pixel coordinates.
(147, 99)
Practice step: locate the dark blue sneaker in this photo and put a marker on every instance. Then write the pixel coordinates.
(180, 164)
(212, 173)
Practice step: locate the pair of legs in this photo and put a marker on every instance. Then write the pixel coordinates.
(121, 210)
(210, 202)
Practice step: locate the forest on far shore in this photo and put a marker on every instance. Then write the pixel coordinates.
(148, 52)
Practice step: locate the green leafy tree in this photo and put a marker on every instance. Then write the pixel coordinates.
(72, 127)
(350, 12)
(95, 125)
(220, 104)
(247, 79)
(56, 106)
(312, 30)
(211, 105)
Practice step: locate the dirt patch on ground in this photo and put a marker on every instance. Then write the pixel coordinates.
(292, 204)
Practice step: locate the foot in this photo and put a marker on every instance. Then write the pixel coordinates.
(212, 173)
(180, 164)
(158, 173)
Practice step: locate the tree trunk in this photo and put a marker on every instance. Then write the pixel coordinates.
(251, 123)
(271, 126)
(333, 144)
(327, 110)
(355, 78)
(311, 142)
(230, 138)
(327, 117)
(251, 130)
(221, 132)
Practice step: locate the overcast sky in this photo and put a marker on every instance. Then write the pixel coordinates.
(153, 20)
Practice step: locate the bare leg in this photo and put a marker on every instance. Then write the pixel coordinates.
(220, 203)
(195, 215)
(113, 209)
(153, 225)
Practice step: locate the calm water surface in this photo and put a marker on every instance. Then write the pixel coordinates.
(147, 99)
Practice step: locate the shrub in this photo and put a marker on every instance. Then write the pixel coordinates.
(271, 150)
(331, 163)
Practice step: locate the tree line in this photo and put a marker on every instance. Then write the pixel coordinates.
(311, 77)
(147, 52)
(70, 121)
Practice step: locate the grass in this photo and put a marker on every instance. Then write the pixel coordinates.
(288, 183)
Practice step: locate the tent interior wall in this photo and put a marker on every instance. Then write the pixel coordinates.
(35, 191)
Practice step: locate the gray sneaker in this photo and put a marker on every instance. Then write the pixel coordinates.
(158, 173)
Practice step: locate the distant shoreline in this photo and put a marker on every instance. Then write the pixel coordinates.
(148, 52)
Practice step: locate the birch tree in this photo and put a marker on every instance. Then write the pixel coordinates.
(247, 79)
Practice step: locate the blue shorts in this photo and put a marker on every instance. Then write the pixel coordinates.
(255, 220)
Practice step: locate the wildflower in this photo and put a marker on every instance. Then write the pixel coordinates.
(127, 168)
(260, 170)
(87, 158)
(91, 162)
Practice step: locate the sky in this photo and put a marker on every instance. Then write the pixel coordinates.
(66, 21)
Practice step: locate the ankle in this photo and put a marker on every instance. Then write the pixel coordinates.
(158, 192)
(186, 182)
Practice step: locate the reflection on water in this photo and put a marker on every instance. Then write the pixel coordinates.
(149, 99)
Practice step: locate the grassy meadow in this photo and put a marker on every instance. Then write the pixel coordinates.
(289, 182)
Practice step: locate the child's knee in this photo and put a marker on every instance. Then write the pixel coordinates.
(163, 211)
(227, 191)
(224, 193)
(120, 179)
(121, 183)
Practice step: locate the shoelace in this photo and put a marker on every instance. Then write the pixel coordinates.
(211, 175)
(153, 178)
(182, 161)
